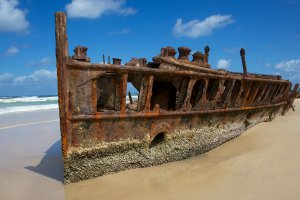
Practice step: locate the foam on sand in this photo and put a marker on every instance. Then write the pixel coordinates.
(15, 109)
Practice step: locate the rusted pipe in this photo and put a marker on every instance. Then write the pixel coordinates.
(103, 57)
(169, 52)
(206, 50)
(184, 53)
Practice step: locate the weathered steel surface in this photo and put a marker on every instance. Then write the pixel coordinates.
(62, 55)
(182, 108)
(243, 54)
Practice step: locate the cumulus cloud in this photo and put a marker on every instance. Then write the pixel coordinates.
(39, 77)
(11, 51)
(6, 78)
(92, 9)
(44, 62)
(289, 66)
(223, 64)
(289, 69)
(12, 19)
(196, 28)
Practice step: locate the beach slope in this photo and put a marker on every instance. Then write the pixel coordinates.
(262, 163)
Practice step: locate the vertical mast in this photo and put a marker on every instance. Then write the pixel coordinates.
(243, 53)
(61, 58)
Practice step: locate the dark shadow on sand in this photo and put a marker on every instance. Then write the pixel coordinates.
(51, 164)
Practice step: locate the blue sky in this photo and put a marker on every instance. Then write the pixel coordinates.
(268, 30)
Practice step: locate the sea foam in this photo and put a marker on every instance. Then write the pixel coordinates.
(33, 103)
(29, 103)
(15, 109)
(27, 99)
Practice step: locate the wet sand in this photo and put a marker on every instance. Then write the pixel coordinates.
(262, 163)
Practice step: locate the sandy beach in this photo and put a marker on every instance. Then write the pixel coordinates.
(262, 163)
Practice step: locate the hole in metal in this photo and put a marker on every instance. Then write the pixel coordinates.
(159, 138)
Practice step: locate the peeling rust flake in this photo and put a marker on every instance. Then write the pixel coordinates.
(179, 108)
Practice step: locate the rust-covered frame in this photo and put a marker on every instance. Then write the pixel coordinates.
(83, 126)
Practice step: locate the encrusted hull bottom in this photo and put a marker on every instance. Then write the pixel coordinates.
(106, 158)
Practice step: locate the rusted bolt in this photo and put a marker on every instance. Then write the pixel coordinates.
(184, 53)
(156, 108)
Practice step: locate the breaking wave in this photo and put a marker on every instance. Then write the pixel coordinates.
(29, 103)
(34, 103)
(15, 109)
(27, 99)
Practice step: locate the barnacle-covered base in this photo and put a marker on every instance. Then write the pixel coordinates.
(181, 143)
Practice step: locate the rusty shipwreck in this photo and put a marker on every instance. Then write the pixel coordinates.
(183, 108)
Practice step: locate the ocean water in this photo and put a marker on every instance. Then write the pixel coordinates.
(27, 103)
(33, 103)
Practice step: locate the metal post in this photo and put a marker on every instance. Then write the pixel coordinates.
(243, 53)
(130, 97)
(206, 50)
(103, 57)
(62, 55)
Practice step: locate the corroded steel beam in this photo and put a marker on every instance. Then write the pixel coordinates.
(132, 69)
(62, 76)
(243, 53)
(177, 113)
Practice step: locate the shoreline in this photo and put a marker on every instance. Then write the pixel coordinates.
(262, 163)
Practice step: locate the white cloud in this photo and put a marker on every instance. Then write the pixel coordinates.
(223, 64)
(92, 9)
(12, 19)
(11, 51)
(124, 31)
(6, 78)
(268, 65)
(38, 77)
(44, 62)
(196, 28)
(289, 66)
(289, 69)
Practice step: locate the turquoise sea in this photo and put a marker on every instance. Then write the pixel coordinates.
(27, 103)
(32, 103)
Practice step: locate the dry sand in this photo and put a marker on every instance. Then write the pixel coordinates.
(262, 163)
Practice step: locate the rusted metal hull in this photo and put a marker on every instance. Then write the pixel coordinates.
(192, 135)
(184, 108)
